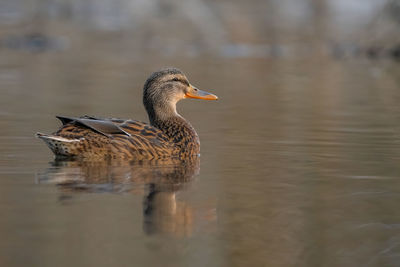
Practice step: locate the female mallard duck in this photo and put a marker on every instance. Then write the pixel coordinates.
(167, 135)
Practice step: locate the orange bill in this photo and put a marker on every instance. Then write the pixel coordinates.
(199, 94)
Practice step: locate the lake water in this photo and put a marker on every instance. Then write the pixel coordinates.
(299, 166)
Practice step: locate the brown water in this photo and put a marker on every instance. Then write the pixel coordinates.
(299, 165)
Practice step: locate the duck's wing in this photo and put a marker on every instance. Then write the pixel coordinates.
(112, 127)
(144, 141)
(145, 130)
(105, 127)
(90, 137)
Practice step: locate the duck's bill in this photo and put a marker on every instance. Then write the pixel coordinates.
(199, 94)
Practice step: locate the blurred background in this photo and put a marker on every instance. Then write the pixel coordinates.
(226, 29)
(300, 154)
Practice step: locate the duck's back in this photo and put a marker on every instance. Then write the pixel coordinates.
(91, 137)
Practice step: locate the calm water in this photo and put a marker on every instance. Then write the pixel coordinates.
(299, 166)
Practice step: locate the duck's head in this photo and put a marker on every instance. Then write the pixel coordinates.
(164, 88)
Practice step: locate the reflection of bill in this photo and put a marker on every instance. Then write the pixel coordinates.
(162, 212)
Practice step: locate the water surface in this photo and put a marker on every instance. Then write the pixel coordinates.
(299, 165)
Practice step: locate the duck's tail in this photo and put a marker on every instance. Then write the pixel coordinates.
(61, 146)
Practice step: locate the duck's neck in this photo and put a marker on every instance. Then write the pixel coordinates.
(180, 132)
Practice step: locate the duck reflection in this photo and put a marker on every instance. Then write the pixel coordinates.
(163, 213)
(159, 181)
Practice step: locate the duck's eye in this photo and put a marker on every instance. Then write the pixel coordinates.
(180, 80)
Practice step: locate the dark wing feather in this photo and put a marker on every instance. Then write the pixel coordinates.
(101, 126)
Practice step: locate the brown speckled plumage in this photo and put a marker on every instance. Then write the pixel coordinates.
(167, 135)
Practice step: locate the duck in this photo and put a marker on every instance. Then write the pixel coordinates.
(167, 135)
